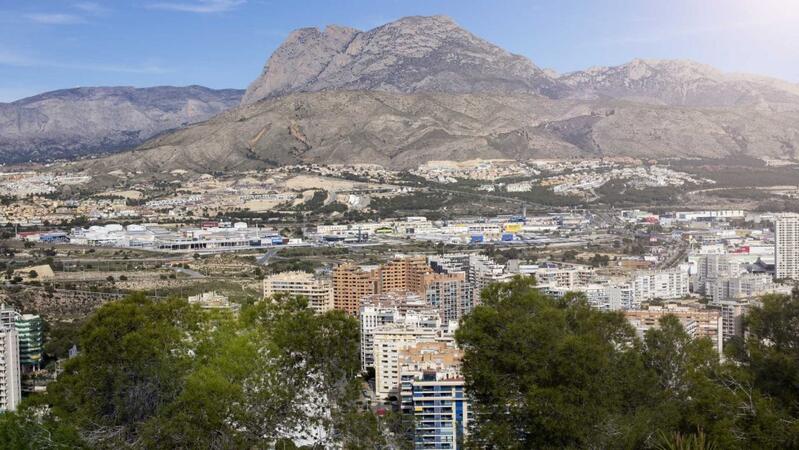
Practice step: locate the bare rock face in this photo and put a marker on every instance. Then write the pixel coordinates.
(82, 121)
(410, 55)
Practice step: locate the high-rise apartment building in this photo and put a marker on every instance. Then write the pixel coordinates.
(350, 284)
(10, 372)
(664, 284)
(787, 246)
(318, 291)
(449, 293)
(392, 307)
(31, 340)
(404, 273)
(433, 394)
(389, 340)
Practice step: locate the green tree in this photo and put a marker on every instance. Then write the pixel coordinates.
(551, 373)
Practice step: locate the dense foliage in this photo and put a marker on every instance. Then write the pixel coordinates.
(168, 375)
(543, 373)
(549, 373)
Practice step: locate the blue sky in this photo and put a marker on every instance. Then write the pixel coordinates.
(53, 44)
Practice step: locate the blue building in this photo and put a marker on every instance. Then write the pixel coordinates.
(433, 395)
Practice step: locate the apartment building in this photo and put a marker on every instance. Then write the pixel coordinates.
(31, 340)
(351, 283)
(787, 246)
(389, 340)
(449, 293)
(698, 320)
(665, 284)
(10, 372)
(318, 291)
(404, 273)
(405, 308)
(433, 393)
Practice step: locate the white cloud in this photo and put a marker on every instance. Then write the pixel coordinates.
(55, 18)
(12, 59)
(91, 8)
(199, 6)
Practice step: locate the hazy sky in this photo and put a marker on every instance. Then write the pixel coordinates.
(52, 44)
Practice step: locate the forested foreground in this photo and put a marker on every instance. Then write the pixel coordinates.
(543, 373)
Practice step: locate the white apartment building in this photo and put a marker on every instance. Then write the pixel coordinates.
(318, 291)
(564, 277)
(404, 308)
(665, 284)
(787, 246)
(389, 341)
(213, 301)
(10, 372)
(746, 285)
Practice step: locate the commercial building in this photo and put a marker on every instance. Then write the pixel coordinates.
(318, 291)
(10, 372)
(433, 394)
(787, 246)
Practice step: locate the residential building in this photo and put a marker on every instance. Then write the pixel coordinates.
(389, 340)
(698, 320)
(31, 340)
(732, 314)
(350, 284)
(392, 307)
(449, 293)
(212, 301)
(665, 284)
(787, 246)
(433, 393)
(404, 273)
(318, 291)
(10, 372)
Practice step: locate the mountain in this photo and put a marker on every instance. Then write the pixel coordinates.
(410, 55)
(679, 83)
(90, 120)
(422, 88)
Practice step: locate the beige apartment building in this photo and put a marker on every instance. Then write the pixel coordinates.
(697, 320)
(318, 291)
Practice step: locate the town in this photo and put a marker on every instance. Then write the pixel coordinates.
(409, 281)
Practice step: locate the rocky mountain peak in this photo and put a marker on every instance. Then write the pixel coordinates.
(409, 55)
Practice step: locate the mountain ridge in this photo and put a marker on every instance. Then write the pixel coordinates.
(433, 90)
(70, 123)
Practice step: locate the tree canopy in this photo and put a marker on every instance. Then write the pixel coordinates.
(169, 375)
(555, 373)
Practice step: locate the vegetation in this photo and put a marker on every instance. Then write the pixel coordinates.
(548, 373)
(542, 373)
(168, 375)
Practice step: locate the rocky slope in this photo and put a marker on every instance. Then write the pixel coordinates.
(679, 83)
(405, 130)
(75, 122)
(410, 55)
(422, 88)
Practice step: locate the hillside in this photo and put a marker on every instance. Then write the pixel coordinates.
(94, 120)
